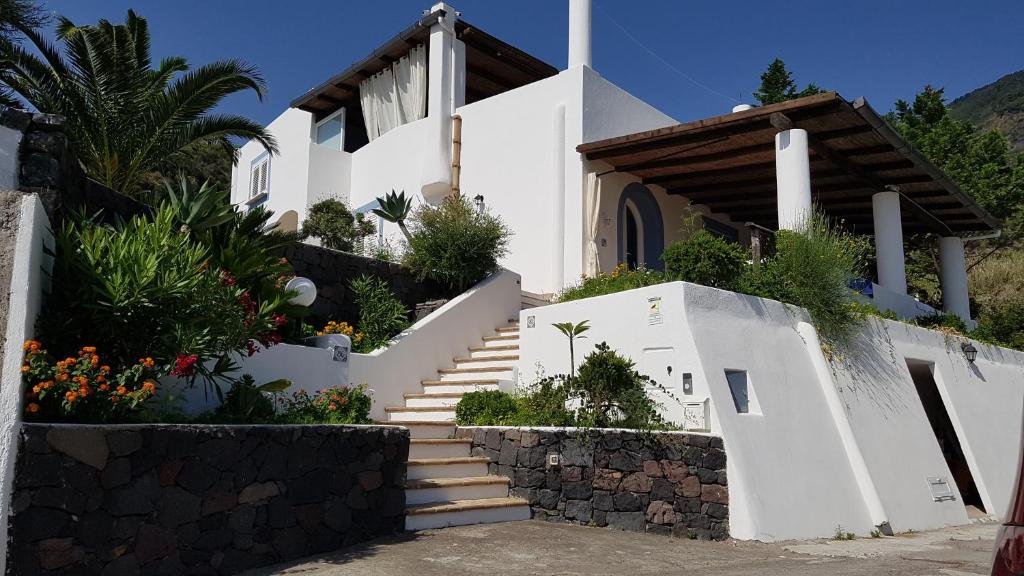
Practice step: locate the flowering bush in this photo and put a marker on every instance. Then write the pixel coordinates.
(345, 328)
(148, 288)
(336, 405)
(81, 388)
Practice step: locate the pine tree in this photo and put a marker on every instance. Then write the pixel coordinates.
(777, 85)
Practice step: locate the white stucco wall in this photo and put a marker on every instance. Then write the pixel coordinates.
(289, 169)
(29, 281)
(330, 176)
(793, 473)
(10, 141)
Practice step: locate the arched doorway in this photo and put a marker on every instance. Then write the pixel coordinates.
(641, 232)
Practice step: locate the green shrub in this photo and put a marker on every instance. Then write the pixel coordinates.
(382, 316)
(1002, 324)
(455, 244)
(812, 269)
(705, 259)
(618, 280)
(335, 225)
(942, 320)
(146, 289)
(336, 405)
(611, 393)
(247, 403)
(486, 408)
(544, 404)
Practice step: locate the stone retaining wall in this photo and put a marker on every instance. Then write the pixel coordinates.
(665, 483)
(186, 499)
(332, 270)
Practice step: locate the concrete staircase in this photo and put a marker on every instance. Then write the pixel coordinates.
(446, 486)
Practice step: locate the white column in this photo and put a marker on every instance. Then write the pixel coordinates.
(579, 33)
(793, 178)
(953, 275)
(437, 161)
(892, 273)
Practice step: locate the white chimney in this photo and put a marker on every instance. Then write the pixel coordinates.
(579, 33)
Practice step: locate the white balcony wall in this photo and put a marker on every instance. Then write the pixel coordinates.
(330, 175)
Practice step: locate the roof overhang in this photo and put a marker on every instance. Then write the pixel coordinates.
(728, 164)
(492, 67)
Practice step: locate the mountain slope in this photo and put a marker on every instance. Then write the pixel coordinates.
(999, 105)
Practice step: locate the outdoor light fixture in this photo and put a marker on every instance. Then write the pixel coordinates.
(305, 289)
(970, 352)
(478, 200)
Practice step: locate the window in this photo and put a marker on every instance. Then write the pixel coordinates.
(259, 177)
(330, 131)
(742, 394)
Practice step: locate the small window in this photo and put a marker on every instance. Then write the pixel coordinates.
(259, 177)
(330, 131)
(742, 394)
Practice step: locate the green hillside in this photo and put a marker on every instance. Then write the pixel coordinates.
(999, 105)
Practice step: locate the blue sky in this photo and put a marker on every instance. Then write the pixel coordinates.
(883, 50)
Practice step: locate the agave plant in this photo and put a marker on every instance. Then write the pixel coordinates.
(124, 117)
(395, 207)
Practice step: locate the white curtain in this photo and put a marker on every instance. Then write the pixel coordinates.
(396, 95)
(411, 81)
(591, 262)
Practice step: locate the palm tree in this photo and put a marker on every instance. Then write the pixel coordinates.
(395, 208)
(123, 117)
(17, 16)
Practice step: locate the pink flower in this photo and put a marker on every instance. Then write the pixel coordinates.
(227, 279)
(280, 320)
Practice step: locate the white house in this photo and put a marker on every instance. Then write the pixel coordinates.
(899, 434)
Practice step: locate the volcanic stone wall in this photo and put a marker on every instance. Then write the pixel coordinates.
(188, 499)
(660, 482)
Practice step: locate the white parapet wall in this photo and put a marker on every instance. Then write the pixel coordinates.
(29, 280)
(820, 442)
(434, 341)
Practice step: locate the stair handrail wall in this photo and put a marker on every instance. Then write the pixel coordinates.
(434, 341)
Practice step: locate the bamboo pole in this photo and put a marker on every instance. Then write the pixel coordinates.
(456, 154)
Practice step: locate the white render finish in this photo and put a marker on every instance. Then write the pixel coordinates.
(953, 276)
(579, 33)
(793, 178)
(29, 281)
(796, 470)
(892, 273)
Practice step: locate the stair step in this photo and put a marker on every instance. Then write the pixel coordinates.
(458, 386)
(500, 347)
(501, 338)
(476, 373)
(427, 413)
(475, 370)
(458, 467)
(463, 512)
(423, 448)
(471, 360)
(436, 400)
(507, 329)
(436, 490)
(423, 428)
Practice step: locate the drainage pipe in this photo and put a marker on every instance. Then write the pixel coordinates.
(456, 154)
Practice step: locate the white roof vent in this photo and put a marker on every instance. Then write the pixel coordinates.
(741, 108)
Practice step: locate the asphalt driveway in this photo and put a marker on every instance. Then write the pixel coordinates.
(521, 548)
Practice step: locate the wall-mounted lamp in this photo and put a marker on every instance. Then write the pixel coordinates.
(305, 291)
(478, 201)
(970, 352)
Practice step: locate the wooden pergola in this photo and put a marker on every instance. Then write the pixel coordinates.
(728, 164)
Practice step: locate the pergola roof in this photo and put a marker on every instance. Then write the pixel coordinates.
(492, 67)
(728, 164)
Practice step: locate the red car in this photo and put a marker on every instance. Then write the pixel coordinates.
(1010, 539)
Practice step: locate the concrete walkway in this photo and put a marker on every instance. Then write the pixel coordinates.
(531, 547)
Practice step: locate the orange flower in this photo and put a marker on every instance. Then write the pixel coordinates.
(332, 406)
(104, 387)
(148, 362)
(36, 389)
(24, 369)
(149, 386)
(70, 396)
(101, 378)
(106, 369)
(32, 408)
(62, 377)
(122, 390)
(89, 349)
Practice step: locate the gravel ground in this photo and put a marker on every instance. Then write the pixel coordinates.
(560, 549)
